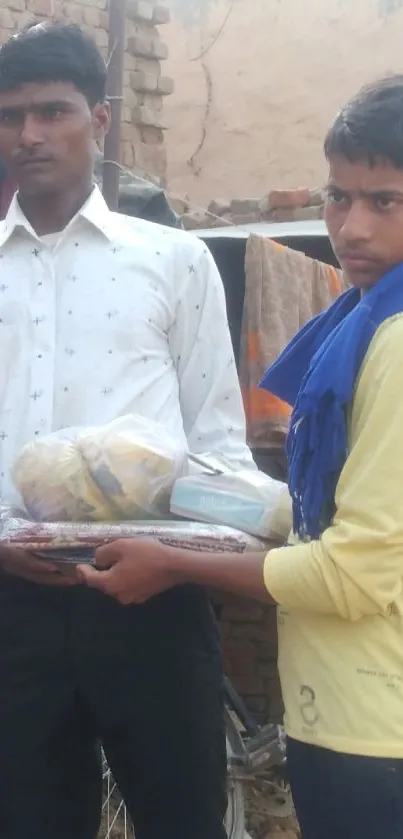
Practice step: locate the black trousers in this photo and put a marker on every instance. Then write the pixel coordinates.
(77, 668)
(340, 796)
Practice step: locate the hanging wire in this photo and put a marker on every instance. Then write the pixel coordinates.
(175, 197)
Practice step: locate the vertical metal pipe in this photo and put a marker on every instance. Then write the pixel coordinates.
(116, 52)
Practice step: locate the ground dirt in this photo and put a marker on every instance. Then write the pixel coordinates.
(268, 812)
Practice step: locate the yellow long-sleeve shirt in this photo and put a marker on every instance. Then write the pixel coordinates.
(340, 617)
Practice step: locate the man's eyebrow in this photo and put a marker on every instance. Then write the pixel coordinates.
(380, 192)
(53, 103)
(332, 186)
(386, 191)
(60, 104)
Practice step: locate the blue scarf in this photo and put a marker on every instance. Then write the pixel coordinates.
(316, 374)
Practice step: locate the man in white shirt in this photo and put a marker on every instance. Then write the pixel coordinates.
(101, 316)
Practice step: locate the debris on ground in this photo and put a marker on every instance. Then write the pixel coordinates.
(269, 809)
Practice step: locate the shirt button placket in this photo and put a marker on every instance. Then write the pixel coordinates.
(44, 330)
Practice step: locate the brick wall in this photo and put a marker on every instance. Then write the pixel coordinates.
(277, 205)
(145, 86)
(249, 640)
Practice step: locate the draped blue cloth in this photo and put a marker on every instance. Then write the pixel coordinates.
(316, 374)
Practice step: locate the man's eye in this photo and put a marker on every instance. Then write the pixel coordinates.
(335, 196)
(385, 203)
(52, 113)
(9, 118)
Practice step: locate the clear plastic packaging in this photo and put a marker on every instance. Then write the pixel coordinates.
(134, 463)
(124, 470)
(54, 482)
(247, 499)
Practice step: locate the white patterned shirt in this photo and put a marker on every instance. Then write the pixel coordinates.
(114, 316)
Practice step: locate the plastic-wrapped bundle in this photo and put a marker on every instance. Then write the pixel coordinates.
(56, 484)
(124, 470)
(134, 464)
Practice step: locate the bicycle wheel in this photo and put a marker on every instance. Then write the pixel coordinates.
(235, 816)
(115, 820)
(116, 823)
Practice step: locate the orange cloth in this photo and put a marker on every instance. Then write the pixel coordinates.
(283, 289)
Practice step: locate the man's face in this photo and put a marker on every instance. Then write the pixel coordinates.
(47, 134)
(364, 217)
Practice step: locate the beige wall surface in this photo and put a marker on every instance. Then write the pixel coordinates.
(265, 92)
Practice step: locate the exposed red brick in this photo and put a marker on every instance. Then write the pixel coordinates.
(288, 198)
(219, 206)
(241, 657)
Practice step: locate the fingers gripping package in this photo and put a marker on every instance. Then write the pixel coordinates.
(124, 470)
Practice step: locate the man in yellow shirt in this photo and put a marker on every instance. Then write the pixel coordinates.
(339, 586)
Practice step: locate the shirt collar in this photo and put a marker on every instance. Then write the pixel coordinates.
(95, 211)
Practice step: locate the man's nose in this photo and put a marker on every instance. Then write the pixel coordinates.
(357, 226)
(31, 132)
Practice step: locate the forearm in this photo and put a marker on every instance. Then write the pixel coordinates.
(240, 574)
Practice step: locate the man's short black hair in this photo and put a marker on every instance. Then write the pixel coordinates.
(370, 127)
(54, 52)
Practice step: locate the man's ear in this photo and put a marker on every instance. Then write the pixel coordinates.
(101, 120)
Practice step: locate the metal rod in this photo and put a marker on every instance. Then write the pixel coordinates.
(116, 52)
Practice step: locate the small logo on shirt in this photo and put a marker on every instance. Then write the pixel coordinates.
(309, 711)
